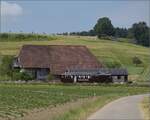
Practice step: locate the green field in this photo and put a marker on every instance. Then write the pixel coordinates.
(16, 99)
(110, 53)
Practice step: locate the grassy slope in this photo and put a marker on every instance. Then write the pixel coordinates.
(106, 51)
(16, 99)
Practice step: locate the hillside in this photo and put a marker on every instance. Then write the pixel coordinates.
(110, 53)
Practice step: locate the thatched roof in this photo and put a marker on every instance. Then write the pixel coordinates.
(58, 58)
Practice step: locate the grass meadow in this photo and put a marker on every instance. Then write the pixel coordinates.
(110, 53)
(17, 99)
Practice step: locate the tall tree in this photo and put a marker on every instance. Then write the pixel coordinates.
(104, 27)
(121, 32)
(141, 33)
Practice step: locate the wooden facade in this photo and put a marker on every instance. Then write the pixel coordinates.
(38, 73)
(101, 75)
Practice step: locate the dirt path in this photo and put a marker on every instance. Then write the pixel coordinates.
(126, 108)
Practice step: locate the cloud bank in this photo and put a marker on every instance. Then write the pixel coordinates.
(10, 9)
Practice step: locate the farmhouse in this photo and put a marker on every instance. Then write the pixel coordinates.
(70, 63)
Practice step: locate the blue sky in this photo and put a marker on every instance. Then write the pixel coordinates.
(64, 16)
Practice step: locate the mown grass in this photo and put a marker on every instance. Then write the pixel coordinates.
(16, 99)
(110, 53)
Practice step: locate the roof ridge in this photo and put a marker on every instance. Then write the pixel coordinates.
(55, 45)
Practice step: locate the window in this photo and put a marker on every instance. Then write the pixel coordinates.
(119, 77)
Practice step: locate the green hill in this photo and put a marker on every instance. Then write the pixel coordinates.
(110, 53)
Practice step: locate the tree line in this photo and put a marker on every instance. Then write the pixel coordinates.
(139, 32)
(25, 37)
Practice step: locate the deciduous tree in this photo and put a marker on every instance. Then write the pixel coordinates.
(104, 27)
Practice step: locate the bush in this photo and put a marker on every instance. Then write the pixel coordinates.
(6, 69)
(6, 66)
(106, 37)
(136, 60)
(25, 37)
(50, 77)
(112, 64)
(17, 75)
(21, 36)
(25, 76)
(3, 36)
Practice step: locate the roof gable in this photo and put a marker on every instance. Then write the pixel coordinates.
(34, 56)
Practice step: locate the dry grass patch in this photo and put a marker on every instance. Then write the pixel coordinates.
(52, 113)
(145, 105)
(74, 110)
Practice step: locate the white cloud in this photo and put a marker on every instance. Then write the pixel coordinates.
(10, 9)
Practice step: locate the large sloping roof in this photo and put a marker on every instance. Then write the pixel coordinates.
(58, 58)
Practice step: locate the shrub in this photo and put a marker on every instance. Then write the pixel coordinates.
(6, 65)
(25, 37)
(112, 64)
(4, 35)
(136, 60)
(50, 77)
(106, 37)
(6, 69)
(25, 76)
(20, 36)
(17, 75)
